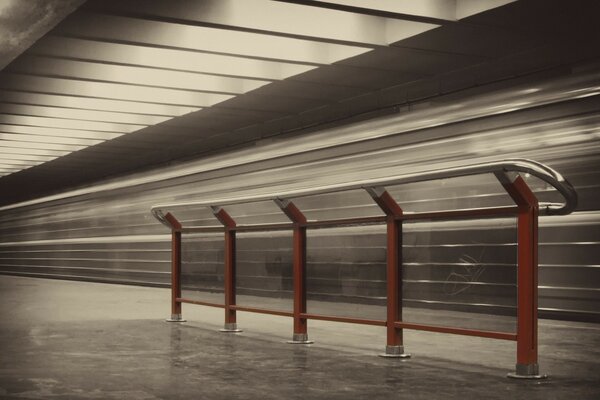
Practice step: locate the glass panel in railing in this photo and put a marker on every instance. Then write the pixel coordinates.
(261, 212)
(347, 204)
(264, 270)
(461, 274)
(477, 191)
(346, 272)
(569, 276)
(202, 267)
(542, 190)
(193, 215)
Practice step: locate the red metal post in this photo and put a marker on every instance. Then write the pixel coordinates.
(300, 335)
(393, 212)
(175, 268)
(527, 276)
(230, 267)
(300, 324)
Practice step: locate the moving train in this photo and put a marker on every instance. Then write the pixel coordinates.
(105, 232)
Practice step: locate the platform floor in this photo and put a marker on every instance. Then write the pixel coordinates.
(77, 340)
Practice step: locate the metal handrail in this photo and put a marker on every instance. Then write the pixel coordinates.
(526, 208)
(531, 167)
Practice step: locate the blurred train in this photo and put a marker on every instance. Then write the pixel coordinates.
(105, 232)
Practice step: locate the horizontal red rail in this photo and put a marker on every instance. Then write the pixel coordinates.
(263, 227)
(376, 322)
(200, 303)
(262, 310)
(469, 213)
(379, 219)
(202, 229)
(363, 321)
(457, 331)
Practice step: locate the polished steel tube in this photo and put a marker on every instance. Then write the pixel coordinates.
(533, 168)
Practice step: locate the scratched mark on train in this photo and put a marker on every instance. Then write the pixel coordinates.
(461, 278)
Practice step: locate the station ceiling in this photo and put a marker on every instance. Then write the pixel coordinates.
(100, 88)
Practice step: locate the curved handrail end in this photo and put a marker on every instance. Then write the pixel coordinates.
(160, 216)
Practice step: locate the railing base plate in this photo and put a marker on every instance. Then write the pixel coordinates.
(175, 318)
(514, 375)
(394, 352)
(527, 371)
(403, 355)
(230, 328)
(300, 338)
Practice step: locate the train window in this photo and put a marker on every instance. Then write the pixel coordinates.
(544, 192)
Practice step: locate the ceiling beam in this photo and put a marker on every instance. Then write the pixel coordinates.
(113, 91)
(134, 75)
(20, 137)
(20, 144)
(170, 59)
(18, 163)
(58, 132)
(269, 17)
(433, 11)
(6, 155)
(68, 123)
(76, 101)
(79, 114)
(27, 151)
(118, 29)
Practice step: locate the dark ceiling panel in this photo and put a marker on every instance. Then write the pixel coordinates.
(222, 112)
(365, 78)
(282, 104)
(546, 19)
(413, 61)
(471, 40)
(308, 90)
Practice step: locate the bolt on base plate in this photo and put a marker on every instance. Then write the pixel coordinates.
(394, 352)
(300, 338)
(527, 371)
(230, 328)
(175, 318)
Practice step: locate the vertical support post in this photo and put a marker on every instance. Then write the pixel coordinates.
(229, 270)
(527, 277)
(300, 334)
(395, 341)
(175, 268)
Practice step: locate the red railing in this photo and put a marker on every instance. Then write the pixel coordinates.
(526, 209)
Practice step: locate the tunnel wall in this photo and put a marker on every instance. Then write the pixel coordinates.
(105, 232)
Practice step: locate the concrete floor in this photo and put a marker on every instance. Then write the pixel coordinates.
(77, 340)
